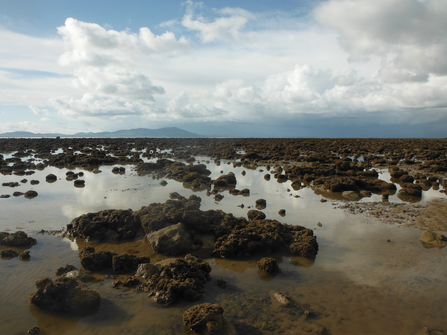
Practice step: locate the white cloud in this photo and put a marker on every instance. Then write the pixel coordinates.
(409, 35)
(226, 27)
(388, 62)
(106, 71)
(39, 111)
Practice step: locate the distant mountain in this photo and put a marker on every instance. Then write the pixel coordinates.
(139, 132)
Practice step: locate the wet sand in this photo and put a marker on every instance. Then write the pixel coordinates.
(368, 277)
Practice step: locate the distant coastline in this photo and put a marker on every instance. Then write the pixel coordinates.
(138, 132)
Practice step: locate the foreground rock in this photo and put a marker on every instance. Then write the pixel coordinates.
(269, 265)
(109, 224)
(207, 319)
(93, 260)
(173, 240)
(65, 295)
(180, 279)
(174, 228)
(266, 236)
(18, 239)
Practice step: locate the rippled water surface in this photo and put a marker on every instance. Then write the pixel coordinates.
(360, 283)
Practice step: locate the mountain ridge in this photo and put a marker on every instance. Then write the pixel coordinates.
(137, 132)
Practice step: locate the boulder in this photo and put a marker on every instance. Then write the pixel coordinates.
(261, 204)
(31, 194)
(207, 319)
(172, 240)
(127, 263)
(51, 178)
(9, 253)
(179, 279)
(254, 214)
(264, 236)
(109, 224)
(227, 180)
(96, 261)
(25, 255)
(17, 239)
(65, 295)
(269, 265)
(147, 270)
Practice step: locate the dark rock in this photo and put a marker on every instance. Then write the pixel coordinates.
(254, 214)
(5, 196)
(127, 263)
(79, 183)
(118, 170)
(172, 240)
(9, 253)
(109, 224)
(31, 194)
(228, 180)
(221, 283)
(35, 331)
(25, 255)
(267, 176)
(282, 212)
(51, 178)
(265, 236)
(96, 261)
(163, 183)
(34, 182)
(261, 203)
(269, 265)
(207, 319)
(65, 295)
(64, 269)
(17, 194)
(18, 239)
(244, 192)
(179, 279)
(11, 184)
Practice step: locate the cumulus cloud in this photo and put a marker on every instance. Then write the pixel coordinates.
(225, 27)
(105, 69)
(90, 44)
(409, 35)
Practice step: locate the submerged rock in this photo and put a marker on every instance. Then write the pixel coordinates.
(9, 253)
(207, 319)
(430, 239)
(65, 295)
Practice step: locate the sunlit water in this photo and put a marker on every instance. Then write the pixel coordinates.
(359, 283)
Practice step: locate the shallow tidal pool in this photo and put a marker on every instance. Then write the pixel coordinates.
(368, 277)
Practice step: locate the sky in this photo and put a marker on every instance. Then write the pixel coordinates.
(253, 68)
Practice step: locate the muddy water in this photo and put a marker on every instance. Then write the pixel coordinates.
(359, 284)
